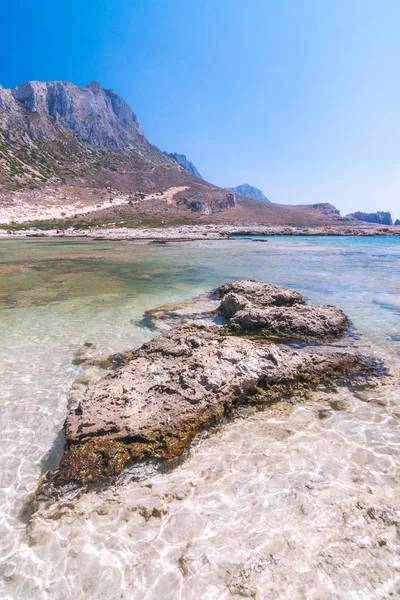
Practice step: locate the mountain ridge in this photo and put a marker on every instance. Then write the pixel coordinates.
(249, 191)
(79, 152)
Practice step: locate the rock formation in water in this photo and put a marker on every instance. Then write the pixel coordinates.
(249, 191)
(397, 222)
(253, 306)
(156, 398)
(61, 142)
(381, 217)
(185, 163)
(326, 209)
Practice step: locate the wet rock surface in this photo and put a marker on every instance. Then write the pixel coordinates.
(152, 404)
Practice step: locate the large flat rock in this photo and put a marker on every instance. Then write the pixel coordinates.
(154, 401)
(175, 386)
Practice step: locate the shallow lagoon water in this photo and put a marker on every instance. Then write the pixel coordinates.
(296, 502)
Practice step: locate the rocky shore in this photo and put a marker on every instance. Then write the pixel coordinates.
(237, 348)
(217, 232)
(204, 232)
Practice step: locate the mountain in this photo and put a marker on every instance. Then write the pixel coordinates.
(78, 155)
(97, 116)
(381, 217)
(60, 142)
(185, 163)
(244, 189)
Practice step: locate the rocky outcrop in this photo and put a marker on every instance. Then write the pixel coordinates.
(175, 386)
(381, 217)
(254, 306)
(397, 222)
(249, 191)
(185, 163)
(326, 209)
(257, 293)
(199, 204)
(154, 400)
(298, 323)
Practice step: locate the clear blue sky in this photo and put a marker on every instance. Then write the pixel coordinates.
(300, 98)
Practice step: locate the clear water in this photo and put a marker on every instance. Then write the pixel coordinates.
(294, 502)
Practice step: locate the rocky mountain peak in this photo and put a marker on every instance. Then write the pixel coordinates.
(95, 86)
(98, 116)
(185, 163)
(244, 189)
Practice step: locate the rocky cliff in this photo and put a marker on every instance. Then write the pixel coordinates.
(244, 189)
(185, 163)
(97, 116)
(381, 217)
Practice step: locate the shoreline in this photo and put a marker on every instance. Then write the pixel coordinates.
(293, 465)
(204, 232)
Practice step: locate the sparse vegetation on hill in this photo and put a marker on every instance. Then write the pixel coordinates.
(70, 154)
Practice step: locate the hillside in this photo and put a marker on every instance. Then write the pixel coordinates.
(79, 155)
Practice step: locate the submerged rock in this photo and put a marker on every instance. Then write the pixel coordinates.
(202, 310)
(161, 395)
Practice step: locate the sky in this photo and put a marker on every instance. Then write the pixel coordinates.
(300, 98)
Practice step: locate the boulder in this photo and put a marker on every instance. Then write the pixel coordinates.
(299, 322)
(260, 294)
(278, 312)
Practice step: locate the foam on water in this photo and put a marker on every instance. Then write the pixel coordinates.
(299, 501)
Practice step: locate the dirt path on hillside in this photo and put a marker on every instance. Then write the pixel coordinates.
(55, 206)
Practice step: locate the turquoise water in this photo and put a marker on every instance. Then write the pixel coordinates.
(360, 274)
(55, 295)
